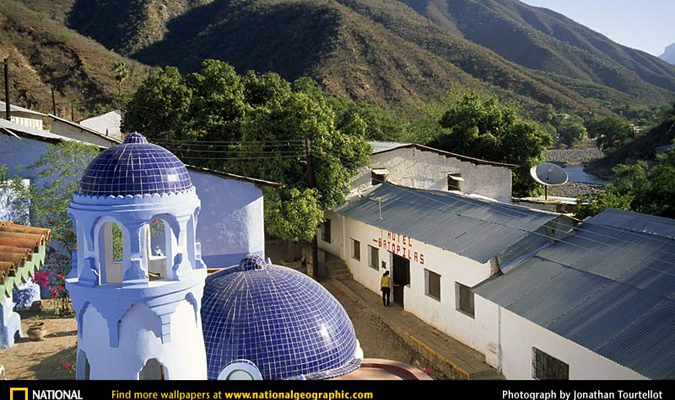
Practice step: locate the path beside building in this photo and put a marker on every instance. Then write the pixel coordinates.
(449, 356)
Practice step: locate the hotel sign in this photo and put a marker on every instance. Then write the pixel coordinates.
(400, 245)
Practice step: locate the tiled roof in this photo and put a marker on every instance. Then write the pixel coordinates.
(22, 252)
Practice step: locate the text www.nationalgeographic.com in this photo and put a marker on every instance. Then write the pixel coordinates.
(273, 395)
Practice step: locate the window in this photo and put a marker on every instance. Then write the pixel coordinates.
(152, 371)
(432, 284)
(547, 367)
(378, 175)
(464, 299)
(373, 257)
(455, 182)
(325, 231)
(356, 249)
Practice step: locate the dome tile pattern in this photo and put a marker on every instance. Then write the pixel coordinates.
(288, 325)
(134, 167)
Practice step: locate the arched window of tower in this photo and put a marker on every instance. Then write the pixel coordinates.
(111, 252)
(162, 246)
(153, 370)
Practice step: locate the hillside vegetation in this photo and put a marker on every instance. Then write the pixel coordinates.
(386, 52)
(44, 53)
(544, 40)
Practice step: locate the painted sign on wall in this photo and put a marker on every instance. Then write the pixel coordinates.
(401, 245)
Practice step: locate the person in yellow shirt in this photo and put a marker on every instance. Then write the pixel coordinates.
(385, 286)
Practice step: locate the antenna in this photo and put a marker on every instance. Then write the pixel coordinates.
(548, 174)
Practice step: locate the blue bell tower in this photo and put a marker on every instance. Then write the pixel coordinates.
(137, 278)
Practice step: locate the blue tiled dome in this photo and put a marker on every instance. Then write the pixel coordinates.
(287, 324)
(134, 167)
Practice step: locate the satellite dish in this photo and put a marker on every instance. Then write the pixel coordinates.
(548, 174)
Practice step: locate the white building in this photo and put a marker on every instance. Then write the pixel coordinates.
(438, 245)
(231, 224)
(423, 167)
(73, 130)
(22, 116)
(108, 124)
(599, 304)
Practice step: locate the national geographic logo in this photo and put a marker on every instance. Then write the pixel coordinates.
(18, 393)
(23, 394)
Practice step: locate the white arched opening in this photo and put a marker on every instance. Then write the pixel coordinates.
(111, 245)
(161, 248)
(153, 370)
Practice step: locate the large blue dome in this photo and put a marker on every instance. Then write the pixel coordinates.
(287, 324)
(134, 167)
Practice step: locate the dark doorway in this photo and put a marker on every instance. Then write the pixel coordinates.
(401, 272)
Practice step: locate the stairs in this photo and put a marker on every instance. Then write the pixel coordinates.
(337, 269)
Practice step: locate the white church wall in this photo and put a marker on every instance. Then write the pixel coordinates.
(231, 222)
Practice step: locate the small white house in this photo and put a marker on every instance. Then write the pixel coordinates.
(22, 116)
(437, 245)
(422, 167)
(600, 304)
(73, 130)
(108, 124)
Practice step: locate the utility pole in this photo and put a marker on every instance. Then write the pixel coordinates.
(8, 114)
(53, 102)
(310, 183)
(72, 113)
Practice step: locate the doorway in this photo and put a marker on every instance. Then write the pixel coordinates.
(401, 272)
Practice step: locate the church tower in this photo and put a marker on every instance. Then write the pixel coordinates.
(137, 278)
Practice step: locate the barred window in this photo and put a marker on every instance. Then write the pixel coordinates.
(433, 284)
(373, 257)
(546, 367)
(356, 249)
(464, 299)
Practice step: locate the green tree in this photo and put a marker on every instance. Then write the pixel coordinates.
(487, 129)
(57, 176)
(610, 132)
(120, 73)
(570, 129)
(257, 125)
(610, 197)
(161, 106)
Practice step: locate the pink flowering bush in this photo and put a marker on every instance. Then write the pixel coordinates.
(53, 277)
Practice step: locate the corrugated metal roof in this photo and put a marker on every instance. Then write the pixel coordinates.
(24, 131)
(379, 146)
(22, 251)
(16, 108)
(609, 289)
(472, 228)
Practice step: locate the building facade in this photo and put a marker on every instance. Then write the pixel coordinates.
(437, 245)
(599, 304)
(423, 167)
(23, 116)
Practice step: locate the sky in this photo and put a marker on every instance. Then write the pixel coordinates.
(647, 25)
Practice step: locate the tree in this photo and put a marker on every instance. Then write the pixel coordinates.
(161, 106)
(120, 73)
(57, 176)
(610, 132)
(570, 129)
(637, 188)
(256, 125)
(487, 129)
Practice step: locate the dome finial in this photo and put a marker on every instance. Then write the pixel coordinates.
(251, 262)
(135, 137)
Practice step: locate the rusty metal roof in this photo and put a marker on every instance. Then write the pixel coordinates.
(22, 251)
